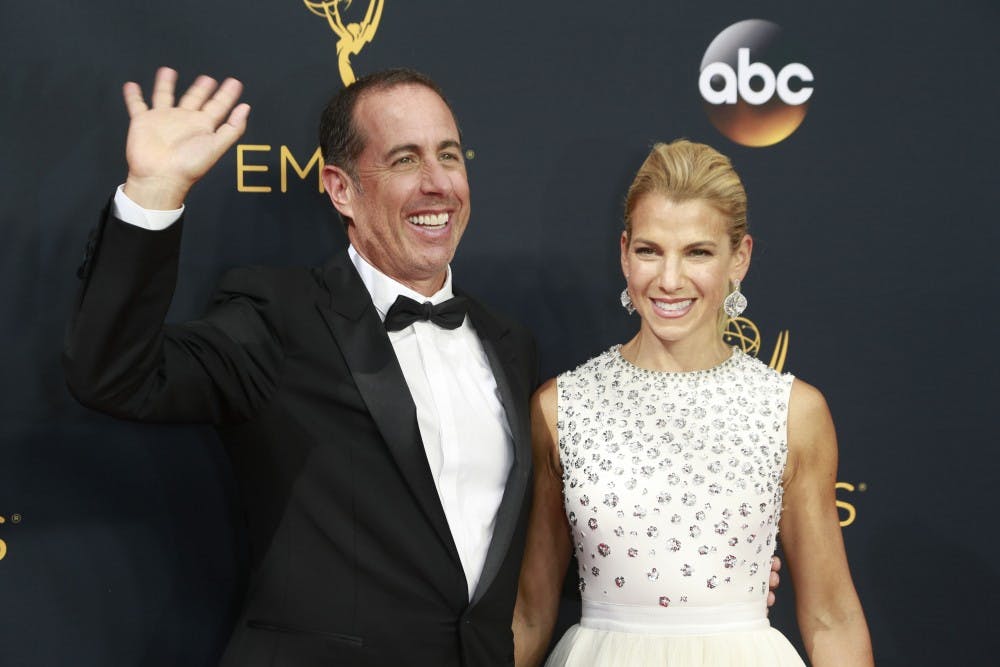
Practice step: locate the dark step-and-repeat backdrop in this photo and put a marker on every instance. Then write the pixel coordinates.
(866, 133)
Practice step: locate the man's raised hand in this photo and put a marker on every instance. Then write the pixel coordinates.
(170, 146)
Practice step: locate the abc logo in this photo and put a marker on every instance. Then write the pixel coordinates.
(755, 92)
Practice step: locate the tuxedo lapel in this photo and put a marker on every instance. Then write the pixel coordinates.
(501, 354)
(362, 339)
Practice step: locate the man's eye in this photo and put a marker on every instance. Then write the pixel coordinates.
(644, 251)
(449, 156)
(406, 159)
(701, 252)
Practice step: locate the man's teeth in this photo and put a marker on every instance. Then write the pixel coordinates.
(673, 307)
(429, 220)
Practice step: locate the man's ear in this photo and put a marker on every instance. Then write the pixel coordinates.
(340, 189)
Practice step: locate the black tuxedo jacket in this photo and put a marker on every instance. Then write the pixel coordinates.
(352, 560)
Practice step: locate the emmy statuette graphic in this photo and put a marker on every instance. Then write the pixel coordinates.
(352, 37)
(743, 332)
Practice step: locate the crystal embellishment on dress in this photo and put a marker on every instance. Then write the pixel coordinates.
(678, 481)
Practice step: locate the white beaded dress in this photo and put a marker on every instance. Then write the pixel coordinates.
(672, 485)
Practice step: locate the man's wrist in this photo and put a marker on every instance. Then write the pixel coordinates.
(155, 194)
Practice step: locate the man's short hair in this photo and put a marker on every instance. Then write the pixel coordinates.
(339, 136)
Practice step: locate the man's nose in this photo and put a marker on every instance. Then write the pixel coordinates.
(434, 178)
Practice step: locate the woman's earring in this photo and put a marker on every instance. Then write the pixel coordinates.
(627, 302)
(735, 303)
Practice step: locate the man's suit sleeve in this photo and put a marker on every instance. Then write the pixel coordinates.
(121, 359)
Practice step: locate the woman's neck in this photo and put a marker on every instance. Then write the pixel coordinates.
(648, 351)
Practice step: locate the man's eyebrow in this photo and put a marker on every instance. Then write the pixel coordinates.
(401, 148)
(414, 148)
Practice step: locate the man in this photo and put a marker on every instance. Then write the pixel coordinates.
(384, 466)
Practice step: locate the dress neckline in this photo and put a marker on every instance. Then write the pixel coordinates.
(616, 351)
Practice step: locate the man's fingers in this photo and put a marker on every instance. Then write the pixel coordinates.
(163, 88)
(772, 581)
(233, 128)
(195, 96)
(220, 105)
(132, 94)
(238, 118)
(205, 94)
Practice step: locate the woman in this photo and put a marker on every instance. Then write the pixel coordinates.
(675, 458)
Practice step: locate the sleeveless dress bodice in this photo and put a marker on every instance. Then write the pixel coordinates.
(672, 489)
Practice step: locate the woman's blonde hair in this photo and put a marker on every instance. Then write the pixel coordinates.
(684, 171)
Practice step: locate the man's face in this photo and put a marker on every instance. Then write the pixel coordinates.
(410, 203)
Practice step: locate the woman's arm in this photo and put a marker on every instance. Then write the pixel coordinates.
(547, 551)
(829, 613)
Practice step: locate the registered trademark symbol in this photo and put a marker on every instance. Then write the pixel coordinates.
(16, 518)
(862, 486)
(470, 154)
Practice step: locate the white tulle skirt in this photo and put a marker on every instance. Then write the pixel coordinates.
(605, 639)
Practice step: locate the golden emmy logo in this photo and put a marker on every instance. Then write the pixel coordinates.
(743, 332)
(351, 37)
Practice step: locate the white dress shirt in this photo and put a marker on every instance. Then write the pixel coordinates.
(462, 423)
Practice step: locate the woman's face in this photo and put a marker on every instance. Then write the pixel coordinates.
(678, 264)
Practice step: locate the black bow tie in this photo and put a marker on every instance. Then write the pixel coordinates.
(405, 311)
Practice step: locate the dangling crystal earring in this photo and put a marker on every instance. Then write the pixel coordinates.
(735, 303)
(627, 302)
